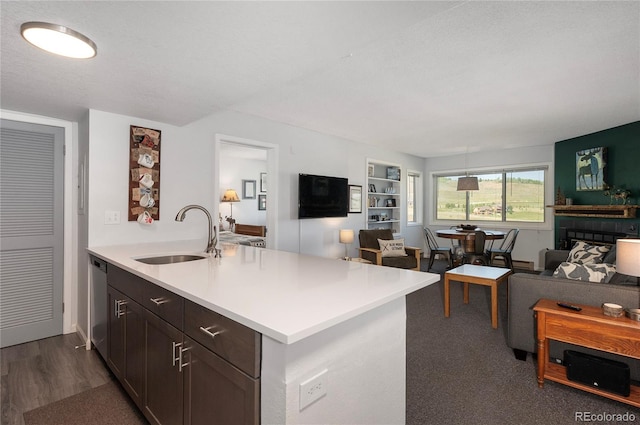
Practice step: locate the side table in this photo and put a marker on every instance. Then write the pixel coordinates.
(479, 275)
(587, 328)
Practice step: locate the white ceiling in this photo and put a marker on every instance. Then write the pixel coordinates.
(427, 78)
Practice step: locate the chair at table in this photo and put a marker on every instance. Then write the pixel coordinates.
(434, 249)
(370, 250)
(503, 252)
(455, 243)
(479, 255)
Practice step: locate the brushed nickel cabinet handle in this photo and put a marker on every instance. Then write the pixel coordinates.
(207, 330)
(159, 300)
(175, 357)
(118, 308)
(181, 351)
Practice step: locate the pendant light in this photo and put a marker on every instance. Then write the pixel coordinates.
(468, 182)
(59, 40)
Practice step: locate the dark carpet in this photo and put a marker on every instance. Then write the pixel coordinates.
(461, 371)
(107, 404)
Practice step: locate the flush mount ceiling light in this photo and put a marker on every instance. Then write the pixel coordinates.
(58, 40)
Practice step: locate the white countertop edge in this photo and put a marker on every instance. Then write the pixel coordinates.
(349, 315)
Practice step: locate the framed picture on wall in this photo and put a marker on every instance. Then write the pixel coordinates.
(248, 189)
(355, 198)
(591, 169)
(263, 182)
(262, 202)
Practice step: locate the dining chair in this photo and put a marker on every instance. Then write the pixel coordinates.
(503, 252)
(455, 243)
(479, 255)
(434, 249)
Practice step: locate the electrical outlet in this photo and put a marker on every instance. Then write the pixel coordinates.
(313, 388)
(112, 217)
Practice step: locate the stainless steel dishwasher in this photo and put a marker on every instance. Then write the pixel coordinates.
(99, 305)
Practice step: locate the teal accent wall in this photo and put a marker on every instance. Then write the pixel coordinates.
(622, 169)
(623, 163)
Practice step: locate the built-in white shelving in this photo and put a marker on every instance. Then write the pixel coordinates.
(384, 195)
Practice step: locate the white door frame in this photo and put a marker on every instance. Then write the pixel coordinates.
(70, 281)
(272, 178)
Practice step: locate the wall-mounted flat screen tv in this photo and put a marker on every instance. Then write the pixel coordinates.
(322, 196)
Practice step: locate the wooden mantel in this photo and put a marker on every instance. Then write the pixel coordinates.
(604, 211)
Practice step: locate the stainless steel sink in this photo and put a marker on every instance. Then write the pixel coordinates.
(170, 259)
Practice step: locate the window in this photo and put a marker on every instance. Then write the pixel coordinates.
(414, 198)
(515, 195)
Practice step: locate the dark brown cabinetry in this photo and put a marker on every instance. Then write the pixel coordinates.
(232, 397)
(163, 383)
(125, 342)
(180, 362)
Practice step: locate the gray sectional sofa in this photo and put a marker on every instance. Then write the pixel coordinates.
(526, 289)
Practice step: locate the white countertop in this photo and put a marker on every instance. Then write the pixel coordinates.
(283, 295)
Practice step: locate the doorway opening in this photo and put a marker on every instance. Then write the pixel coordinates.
(249, 167)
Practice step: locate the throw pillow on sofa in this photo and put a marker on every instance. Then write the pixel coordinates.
(392, 248)
(610, 258)
(583, 253)
(599, 273)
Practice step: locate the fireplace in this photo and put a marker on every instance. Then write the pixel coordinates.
(599, 232)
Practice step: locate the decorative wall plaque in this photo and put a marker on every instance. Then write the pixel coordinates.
(144, 175)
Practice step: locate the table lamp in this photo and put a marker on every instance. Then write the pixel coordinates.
(346, 237)
(230, 196)
(628, 257)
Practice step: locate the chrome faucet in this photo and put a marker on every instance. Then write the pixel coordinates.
(212, 241)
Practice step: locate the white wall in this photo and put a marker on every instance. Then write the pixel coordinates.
(350, 351)
(533, 239)
(185, 178)
(305, 151)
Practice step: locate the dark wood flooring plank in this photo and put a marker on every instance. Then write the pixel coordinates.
(17, 352)
(37, 373)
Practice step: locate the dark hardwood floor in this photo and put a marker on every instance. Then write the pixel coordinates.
(37, 373)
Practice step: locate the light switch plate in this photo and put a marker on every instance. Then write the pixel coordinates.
(112, 217)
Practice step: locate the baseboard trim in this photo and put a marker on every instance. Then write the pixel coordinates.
(82, 336)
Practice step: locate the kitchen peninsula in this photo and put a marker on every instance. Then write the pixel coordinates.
(338, 322)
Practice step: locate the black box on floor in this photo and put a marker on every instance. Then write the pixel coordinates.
(607, 375)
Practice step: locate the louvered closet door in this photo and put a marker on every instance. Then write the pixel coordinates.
(31, 231)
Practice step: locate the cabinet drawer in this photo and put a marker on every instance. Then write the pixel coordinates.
(236, 343)
(164, 304)
(127, 283)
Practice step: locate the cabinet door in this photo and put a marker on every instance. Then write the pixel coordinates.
(133, 378)
(115, 332)
(163, 379)
(216, 392)
(125, 352)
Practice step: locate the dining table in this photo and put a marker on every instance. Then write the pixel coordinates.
(467, 237)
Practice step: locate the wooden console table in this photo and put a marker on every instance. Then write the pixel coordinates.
(588, 328)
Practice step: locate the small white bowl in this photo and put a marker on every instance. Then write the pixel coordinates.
(612, 310)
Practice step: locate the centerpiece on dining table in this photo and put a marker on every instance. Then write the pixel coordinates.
(467, 227)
